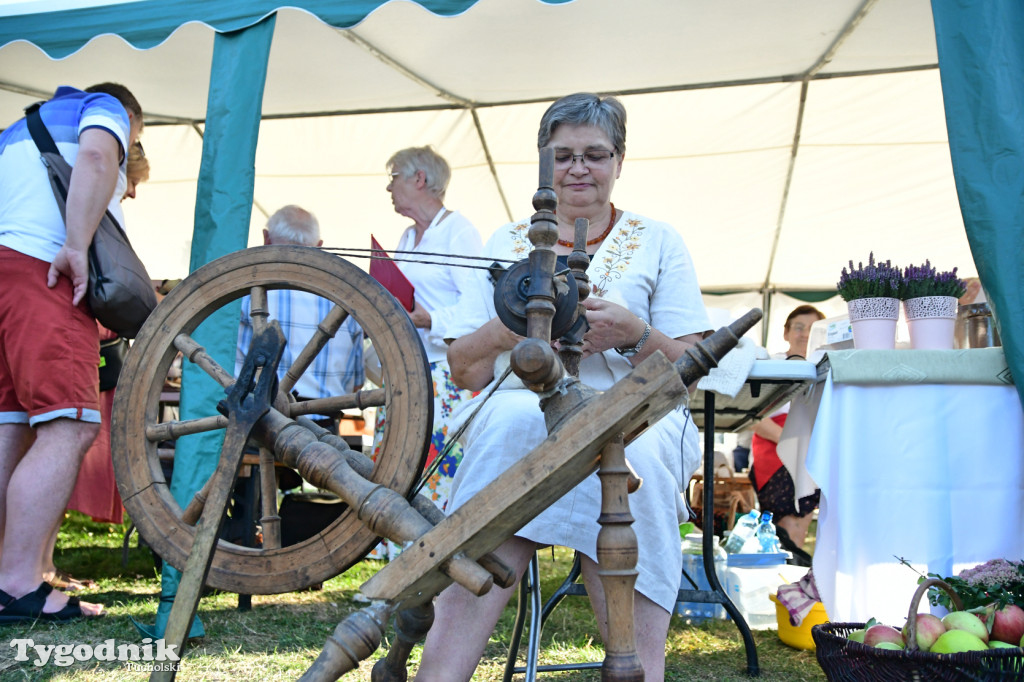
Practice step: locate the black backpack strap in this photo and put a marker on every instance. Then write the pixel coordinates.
(40, 135)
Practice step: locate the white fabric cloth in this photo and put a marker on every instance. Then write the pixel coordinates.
(439, 289)
(730, 375)
(796, 437)
(930, 473)
(645, 265)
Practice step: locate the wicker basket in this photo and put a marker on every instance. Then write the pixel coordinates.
(847, 661)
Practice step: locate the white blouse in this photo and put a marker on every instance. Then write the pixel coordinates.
(440, 290)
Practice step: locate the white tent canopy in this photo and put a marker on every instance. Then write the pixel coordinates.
(782, 139)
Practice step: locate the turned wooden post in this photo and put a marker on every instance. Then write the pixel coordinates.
(411, 626)
(616, 565)
(571, 343)
(533, 360)
(355, 639)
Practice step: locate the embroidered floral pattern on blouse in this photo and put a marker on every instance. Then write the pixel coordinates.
(521, 245)
(624, 242)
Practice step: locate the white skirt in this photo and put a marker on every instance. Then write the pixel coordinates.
(665, 456)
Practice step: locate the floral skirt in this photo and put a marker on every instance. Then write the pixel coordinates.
(438, 486)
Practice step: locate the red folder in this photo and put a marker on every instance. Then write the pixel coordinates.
(385, 271)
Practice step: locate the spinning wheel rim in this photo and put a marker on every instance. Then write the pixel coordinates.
(403, 449)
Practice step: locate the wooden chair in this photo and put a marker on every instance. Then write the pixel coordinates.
(732, 495)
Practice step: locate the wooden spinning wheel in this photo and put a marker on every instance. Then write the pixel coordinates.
(138, 426)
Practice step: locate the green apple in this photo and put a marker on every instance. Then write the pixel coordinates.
(968, 622)
(996, 644)
(889, 645)
(957, 641)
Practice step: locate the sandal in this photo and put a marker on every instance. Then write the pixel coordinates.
(69, 583)
(30, 607)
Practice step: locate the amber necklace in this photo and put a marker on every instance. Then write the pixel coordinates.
(599, 238)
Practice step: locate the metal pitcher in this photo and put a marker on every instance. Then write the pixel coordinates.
(975, 327)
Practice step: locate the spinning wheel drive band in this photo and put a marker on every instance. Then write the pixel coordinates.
(135, 430)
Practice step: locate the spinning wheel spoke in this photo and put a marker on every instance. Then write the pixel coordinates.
(258, 310)
(139, 432)
(172, 430)
(359, 400)
(324, 333)
(198, 356)
(270, 521)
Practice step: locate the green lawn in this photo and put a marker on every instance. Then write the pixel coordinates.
(282, 634)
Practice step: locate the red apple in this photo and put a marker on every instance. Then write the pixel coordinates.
(882, 633)
(929, 628)
(1008, 624)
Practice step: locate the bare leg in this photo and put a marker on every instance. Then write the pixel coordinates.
(48, 568)
(463, 622)
(36, 495)
(650, 621)
(797, 527)
(15, 440)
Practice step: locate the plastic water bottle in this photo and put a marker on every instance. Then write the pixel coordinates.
(741, 532)
(766, 535)
(693, 566)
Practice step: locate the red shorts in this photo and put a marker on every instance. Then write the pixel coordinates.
(49, 349)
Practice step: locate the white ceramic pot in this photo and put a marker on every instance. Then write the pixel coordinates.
(931, 321)
(873, 321)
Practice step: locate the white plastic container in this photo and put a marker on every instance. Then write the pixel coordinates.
(748, 588)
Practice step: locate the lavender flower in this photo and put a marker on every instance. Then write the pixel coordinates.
(875, 280)
(923, 280)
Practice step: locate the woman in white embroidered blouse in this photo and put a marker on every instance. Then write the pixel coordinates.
(645, 298)
(418, 179)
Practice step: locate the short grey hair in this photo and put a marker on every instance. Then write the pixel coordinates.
(433, 165)
(583, 109)
(293, 225)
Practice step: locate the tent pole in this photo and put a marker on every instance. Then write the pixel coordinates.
(490, 163)
(766, 308)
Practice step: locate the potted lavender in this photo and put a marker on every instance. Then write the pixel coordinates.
(930, 305)
(872, 297)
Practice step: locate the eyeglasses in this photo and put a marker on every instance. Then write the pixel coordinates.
(592, 158)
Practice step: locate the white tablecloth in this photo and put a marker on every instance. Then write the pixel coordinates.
(930, 473)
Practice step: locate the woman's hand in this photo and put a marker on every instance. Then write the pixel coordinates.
(611, 326)
(419, 316)
(471, 357)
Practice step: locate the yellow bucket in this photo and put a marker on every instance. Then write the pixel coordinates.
(798, 637)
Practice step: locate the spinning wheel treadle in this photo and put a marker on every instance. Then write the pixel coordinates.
(138, 426)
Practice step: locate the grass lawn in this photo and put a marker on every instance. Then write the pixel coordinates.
(282, 634)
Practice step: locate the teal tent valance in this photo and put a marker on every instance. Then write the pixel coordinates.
(148, 23)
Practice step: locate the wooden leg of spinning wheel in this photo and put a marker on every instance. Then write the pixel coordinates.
(186, 601)
(354, 640)
(616, 559)
(411, 627)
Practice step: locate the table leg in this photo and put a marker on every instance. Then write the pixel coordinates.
(753, 669)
